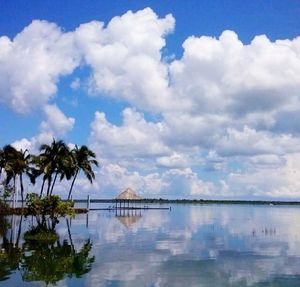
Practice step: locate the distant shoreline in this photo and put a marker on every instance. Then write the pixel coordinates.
(195, 201)
(24, 210)
(188, 201)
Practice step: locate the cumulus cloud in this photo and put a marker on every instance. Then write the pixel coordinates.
(249, 142)
(114, 178)
(56, 122)
(279, 180)
(32, 63)
(186, 183)
(55, 125)
(125, 58)
(172, 183)
(140, 154)
(224, 75)
(135, 139)
(175, 160)
(226, 106)
(75, 85)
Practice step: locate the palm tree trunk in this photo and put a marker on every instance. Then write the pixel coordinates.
(49, 185)
(70, 235)
(19, 231)
(71, 188)
(42, 188)
(22, 189)
(14, 191)
(53, 183)
(11, 228)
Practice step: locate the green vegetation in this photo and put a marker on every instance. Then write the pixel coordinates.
(9, 259)
(43, 258)
(3, 207)
(48, 209)
(4, 225)
(41, 234)
(60, 259)
(54, 162)
(83, 159)
(15, 163)
(5, 191)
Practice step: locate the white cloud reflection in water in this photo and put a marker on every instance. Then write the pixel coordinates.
(212, 245)
(204, 245)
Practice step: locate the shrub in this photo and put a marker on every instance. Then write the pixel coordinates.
(5, 191)
(41, 234)
(48, 209)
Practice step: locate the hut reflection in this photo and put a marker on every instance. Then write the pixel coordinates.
(128, 217)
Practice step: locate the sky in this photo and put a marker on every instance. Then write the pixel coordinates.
(179, 99)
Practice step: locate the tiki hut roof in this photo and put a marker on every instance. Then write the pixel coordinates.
(128, 194)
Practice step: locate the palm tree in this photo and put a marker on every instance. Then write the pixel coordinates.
(40, 168)
(54, 159)
(16, 163)
(23, 166)
(84, 158)
(10, 155)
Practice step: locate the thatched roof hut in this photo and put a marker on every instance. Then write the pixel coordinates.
(128, 194)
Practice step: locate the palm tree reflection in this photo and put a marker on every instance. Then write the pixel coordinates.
(44, 261)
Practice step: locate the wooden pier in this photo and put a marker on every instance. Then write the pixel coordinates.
(114, 208)
(127, 200)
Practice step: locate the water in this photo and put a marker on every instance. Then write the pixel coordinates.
(191, 245)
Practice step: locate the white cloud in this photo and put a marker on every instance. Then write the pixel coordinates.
(224, 75)
(56, 125)
(193, 130)
(135, 139)
(56, 122)
(175, 160)
(250, 142)
(186, 183)
(24, 144)
(114, 178)
(125, 57)
(224, 105)
(279, 180)
(134, 153)
(270, 160)
(32, 63)
(75, 85)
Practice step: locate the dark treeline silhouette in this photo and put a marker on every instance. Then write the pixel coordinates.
(54, 162)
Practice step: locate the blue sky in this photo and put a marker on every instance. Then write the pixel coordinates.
(193, 99)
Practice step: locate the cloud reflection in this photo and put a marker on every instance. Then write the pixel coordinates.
(201, 246)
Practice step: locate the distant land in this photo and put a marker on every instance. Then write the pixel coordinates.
(195, 201)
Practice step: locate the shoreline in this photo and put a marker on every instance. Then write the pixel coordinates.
(80, 210)
(23, 210)
(192, 201)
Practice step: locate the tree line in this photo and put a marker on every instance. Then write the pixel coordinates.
(55, 161)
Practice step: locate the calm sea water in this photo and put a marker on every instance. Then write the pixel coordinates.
(191, 245)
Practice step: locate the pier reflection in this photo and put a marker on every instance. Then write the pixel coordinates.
(128, 217)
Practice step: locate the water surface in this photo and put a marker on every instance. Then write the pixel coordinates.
(191, 245)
